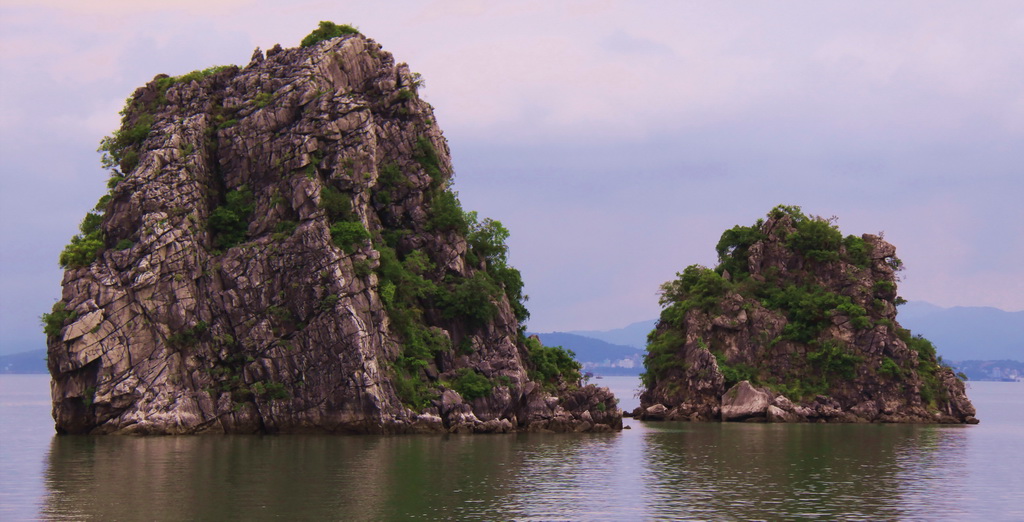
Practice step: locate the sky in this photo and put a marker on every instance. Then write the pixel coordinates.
(615, 140)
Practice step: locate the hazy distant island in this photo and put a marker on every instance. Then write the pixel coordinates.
(281, 251)
(797, 323)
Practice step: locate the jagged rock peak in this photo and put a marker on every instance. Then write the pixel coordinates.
(281, 251)
(797, 323)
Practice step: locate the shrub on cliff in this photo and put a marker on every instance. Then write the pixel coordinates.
(487, 240)
(734, 249)
(53, 322)
(446, 213)
(696, 287)
(471, 384)
(426, 155)
(85, 246)
(552, 366)
(229, 223)
(121, 149)
(336, 204)
(326, 31)
(471, 298)
(663, 347)
(487, 243)
(347, 235)
(816, 238)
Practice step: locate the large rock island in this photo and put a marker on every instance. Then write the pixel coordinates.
(796, 323)
(281, 251)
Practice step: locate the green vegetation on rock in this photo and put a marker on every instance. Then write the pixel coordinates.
(697, 287)
(336, 204)
(348, 235)
(416, 295)
(471, 384)
(121, 149)
(808, 308)
(167, 82)
(188, 336)
(84, 246)
(446, 213)
(410, 284)
(273, 391)
(56, 318)
(326, 31)
(426, 155)
(552, 365)
(734, 248)
(663, 355)
(229, 223)
(929, 364)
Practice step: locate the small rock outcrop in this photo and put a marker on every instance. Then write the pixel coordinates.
(744, 401)
(281, 251)
(796, 324)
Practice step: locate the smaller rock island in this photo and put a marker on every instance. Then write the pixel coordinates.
(797, 323)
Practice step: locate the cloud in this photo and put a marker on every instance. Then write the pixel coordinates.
(118, 8)
(621, 42)
(615, 139)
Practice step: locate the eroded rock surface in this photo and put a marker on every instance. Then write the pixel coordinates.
(281, 252)
(796, 324)
(744, 401)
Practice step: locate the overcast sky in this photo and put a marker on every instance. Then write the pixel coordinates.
(616, 140)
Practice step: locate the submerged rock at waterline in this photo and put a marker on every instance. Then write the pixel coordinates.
(796, 324)
(281, 252)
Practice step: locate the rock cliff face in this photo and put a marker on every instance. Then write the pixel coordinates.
(281, 251)
(796, 324)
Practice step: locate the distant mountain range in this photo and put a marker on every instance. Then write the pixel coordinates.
(33, 361)
(634, 335)
(598, 356)
(992, 370)
(961, 333)
(967, 332)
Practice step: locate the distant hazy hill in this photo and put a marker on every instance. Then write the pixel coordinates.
(634, 335)
(991, 370)
(597, 356)
(967, 332)
(25, 362)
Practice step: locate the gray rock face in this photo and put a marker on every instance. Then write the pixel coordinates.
(744, 401)
(799, 324)
(294, 326)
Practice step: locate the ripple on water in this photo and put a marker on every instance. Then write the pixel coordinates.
(653, 471)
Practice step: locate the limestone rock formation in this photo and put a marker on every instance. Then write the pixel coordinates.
(281, 251)
(797, 323)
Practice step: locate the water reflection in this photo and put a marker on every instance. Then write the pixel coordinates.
(756, 471)
(655, 471)
(176, 478)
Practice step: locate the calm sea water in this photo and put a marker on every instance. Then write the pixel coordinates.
(654, 471)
